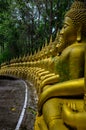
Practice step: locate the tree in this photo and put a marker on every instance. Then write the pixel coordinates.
(24, 25)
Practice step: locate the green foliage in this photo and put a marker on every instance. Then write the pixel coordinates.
(24, 25)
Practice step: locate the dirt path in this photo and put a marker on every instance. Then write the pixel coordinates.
(12, 96)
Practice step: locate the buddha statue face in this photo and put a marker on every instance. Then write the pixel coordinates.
(74, 28)
(68, 34)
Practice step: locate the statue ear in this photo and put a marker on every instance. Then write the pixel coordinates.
(79, 34)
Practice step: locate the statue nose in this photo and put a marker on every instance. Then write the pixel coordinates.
(61, 31)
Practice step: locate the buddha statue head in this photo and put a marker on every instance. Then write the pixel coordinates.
(74, 27)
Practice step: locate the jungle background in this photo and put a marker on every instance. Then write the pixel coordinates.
(26, 24)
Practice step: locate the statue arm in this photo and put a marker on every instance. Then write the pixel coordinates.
(68, 88)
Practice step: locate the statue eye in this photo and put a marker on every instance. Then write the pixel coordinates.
(65, 26)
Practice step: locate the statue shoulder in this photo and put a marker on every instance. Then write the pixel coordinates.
(77, 48)
(73, 49)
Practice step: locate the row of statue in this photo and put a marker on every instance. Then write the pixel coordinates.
(58, 72)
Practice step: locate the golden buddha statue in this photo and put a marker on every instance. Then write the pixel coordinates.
(62, 103)
(47, 76)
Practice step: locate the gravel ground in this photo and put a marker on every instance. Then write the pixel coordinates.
(12, 94)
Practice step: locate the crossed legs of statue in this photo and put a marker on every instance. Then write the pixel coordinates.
(52, 114)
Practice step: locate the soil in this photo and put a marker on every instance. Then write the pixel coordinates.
(12, 94)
